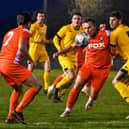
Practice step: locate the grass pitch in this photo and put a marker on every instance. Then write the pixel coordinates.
(108, 112)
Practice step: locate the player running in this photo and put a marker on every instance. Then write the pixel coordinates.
(13, 48)
(96, 68)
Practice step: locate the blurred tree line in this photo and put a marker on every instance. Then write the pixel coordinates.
(59, 13)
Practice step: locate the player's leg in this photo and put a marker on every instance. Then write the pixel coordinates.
(14, 98)
(35, 85)
(19, 77)
(69, 75)
(65, 83)
(86, 88)
(82, 77)
(73, 95)
(30, 66)
(46, 75)
(45, 62)
(92, 97)
(120, 84)
(99, 77)
(64, 89)
(29, 95)
(51, 88)
(121, 81)
(57, 80)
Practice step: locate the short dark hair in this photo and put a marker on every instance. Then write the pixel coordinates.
(87, 19)
(116, 14)
(76, 13)
(23, 18)
(35, 14)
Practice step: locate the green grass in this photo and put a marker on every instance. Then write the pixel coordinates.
(108, 112)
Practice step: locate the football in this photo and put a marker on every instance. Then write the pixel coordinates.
(82, 39)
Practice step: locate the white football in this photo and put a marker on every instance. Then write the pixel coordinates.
(82, 39)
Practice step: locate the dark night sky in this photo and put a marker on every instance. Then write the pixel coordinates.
(10, 8)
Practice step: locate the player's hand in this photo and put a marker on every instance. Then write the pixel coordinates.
(40, 40)
(28, 62)
(102, 26)
(55, 55)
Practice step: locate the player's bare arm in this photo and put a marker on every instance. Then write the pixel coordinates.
(64, 51)
(115, 52)
(23, 48)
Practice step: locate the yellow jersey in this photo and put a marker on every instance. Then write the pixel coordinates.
(38, 31)
(65, 37)
(119, 37)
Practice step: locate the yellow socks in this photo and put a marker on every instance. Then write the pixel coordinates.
(62, 92)
(64, 82)
(63, 85)
(123, 89)
(46, 79)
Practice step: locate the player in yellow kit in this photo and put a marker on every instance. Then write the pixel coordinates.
(64, 38)
(119, 42)
(37, 48)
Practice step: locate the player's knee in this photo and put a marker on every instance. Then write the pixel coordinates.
(78, 86)
(72, 76)
(18, 88)
(39, 84)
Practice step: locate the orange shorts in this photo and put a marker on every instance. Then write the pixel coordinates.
(14, 73)
(97, 76)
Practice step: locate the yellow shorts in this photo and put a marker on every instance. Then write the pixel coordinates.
(67, 62)
(39, 55)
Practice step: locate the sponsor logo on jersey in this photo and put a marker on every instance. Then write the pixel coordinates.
(95, 46)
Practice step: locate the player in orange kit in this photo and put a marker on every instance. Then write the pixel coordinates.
(81, 53)
(13, 48)
(96, 68)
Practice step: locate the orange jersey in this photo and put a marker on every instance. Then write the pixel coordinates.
(97, 52)
(10, 51)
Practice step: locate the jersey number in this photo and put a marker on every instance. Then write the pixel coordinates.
(10, 35)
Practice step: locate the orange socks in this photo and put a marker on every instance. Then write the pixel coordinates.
(72, 98)
(14, 99)
(57, 80)
(27, 98)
